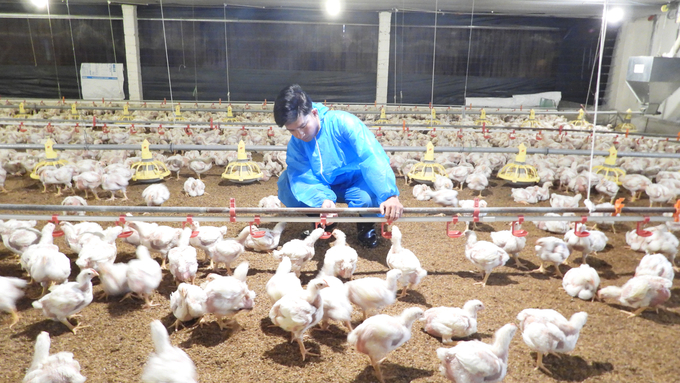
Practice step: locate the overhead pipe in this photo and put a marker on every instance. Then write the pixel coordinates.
(236, 211)
(261, 148)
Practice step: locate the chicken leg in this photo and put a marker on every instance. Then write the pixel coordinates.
(303, 350)
(378, 372)
(636, 312)
(483, 282)
(539, 364)
(14, 319)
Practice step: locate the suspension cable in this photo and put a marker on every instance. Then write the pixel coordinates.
(467, 66)
(54, 51)
(73, 47)
(434, 49)
(226, 53)
(30, 35)
(167, 60)
(113, 40)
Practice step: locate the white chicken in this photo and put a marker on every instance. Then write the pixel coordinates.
(270, 202)
(470, 204)
(182, 259)
(228, 250)
(45, 244)
(59, 367)
(372, 294)
(484, 255)
(477, 181)
(113, 277)
(300, 251)
(594, 242)
(635, 184)
(524, 196)
(403, 259)
(68, 299)
(88, 181)
(336, 304)
(11, 289)
(551, 250)
(156, 194)
(477, 362)
(442, 183)
(444, 197)
(144, 275)
(640, 292)
(656, 265)
(19, 239)
(340, 259)
(114, 182)
(156, 237)
(607, 188)
(97, 249)
(420, 192)
(564, 201)
(283, 282)
(207, 237)
(381, 334)
(581, 282)
(508, 241)
(200, 165)
(175, 163)
(74, 233)
(228, 296)
(50, 175)
(297, 312)
(558, 227)
(188, 302)
(194, 187)
(452, 322)
(167, 364)
(270, 239)
(659, 193)
(74, 200)
(48, 267)
(547, 331)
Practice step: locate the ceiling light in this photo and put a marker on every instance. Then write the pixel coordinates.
(39, 3)
(614, 15)
(333, 7)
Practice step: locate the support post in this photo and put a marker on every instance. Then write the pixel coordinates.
(383, 57)
(132, 57)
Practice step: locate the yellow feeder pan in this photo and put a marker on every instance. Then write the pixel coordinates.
(609, 170)
(580, 119)
(148, 170)
(126, 114)
(517, 171)
(51, 159)
(22, 112)
(627, 125)
(242, 171)
(230, 115)
(433, 118)
(427, 171)
(482, 118)
(383, 118)
(531, 121)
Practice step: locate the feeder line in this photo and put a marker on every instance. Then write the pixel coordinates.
(261, 148)
(517, 211)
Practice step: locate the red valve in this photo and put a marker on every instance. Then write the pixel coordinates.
(539, 135)
(232, 209)
(121, 222)
(582, 233)
(270, 132)
(243, 131)
(188, 131)
(640, 231)
(475, 213)
(383, 232)
(433, 133)
(379, 132)
(460, 133)
(512, 135)
(453, 233)
(519, 232)
(190, 222)
(258, 233)
(132, 129)
(323, 225)
(55, 221)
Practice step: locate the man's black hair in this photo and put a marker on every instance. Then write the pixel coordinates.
(291, 103)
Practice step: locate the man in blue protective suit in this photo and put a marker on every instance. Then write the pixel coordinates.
(333, 157)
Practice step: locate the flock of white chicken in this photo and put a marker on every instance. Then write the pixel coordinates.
(327, 297)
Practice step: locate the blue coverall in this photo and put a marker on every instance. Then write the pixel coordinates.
(343, 163)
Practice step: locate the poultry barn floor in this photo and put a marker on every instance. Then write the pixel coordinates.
(115, 346)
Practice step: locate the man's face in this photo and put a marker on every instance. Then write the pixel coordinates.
(306, 127)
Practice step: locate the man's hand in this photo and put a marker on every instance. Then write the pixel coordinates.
(392, 209)
(328, 204)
